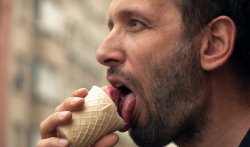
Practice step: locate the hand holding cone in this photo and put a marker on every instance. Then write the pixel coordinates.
(98, 117)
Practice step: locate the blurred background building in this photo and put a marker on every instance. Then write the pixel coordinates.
(47, 50)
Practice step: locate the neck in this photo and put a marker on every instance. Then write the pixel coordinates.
(229, 119)
(226, 114)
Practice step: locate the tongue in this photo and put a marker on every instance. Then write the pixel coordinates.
(125, 104)
(127, 110)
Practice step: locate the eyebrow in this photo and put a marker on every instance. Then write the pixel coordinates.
(126, 13)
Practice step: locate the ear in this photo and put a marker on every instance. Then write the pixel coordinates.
(218, 43)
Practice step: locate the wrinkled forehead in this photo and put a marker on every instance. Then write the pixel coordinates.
(147, 7)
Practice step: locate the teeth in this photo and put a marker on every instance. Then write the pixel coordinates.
(118, 85)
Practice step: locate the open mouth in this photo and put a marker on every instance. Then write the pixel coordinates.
(124, 91)
(125, 100)
(126, 105)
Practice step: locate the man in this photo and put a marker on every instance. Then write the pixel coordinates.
(185, 63)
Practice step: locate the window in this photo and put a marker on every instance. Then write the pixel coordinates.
(49, 17)
(47, 82)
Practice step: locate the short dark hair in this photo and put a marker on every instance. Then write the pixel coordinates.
(196, 14)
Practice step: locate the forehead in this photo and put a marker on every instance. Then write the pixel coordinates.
(152, 8)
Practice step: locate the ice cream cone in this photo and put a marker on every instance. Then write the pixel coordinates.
(98, 117)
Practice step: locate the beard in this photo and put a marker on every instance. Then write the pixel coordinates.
(174, 96)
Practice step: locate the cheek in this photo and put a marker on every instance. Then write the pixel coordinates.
(141, 111)
(142, 61)
(137, 59)
(143, 69)
(142, 75)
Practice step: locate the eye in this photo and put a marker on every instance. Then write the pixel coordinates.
(136, 25)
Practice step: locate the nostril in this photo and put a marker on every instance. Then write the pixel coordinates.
(111, 62)
(105, 59)
(110, 58)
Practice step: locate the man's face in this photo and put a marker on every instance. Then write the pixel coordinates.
(146, 50)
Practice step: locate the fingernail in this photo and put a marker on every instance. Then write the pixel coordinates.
(63, 142)
(62, 115)
(76, 100)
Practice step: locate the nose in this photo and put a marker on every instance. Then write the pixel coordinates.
(111, 51)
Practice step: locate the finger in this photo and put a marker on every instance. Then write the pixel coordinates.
(80, 93)
(53, 142)
(49, 125)
(73, 103)
(70, 104)
(107, 141)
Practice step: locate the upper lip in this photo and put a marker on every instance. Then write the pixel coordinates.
(118, 82)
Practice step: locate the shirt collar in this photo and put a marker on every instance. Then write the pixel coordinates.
(246, 140)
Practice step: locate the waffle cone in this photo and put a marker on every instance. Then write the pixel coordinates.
(98, 117)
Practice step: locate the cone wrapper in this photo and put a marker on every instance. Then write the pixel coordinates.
(98, 117)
